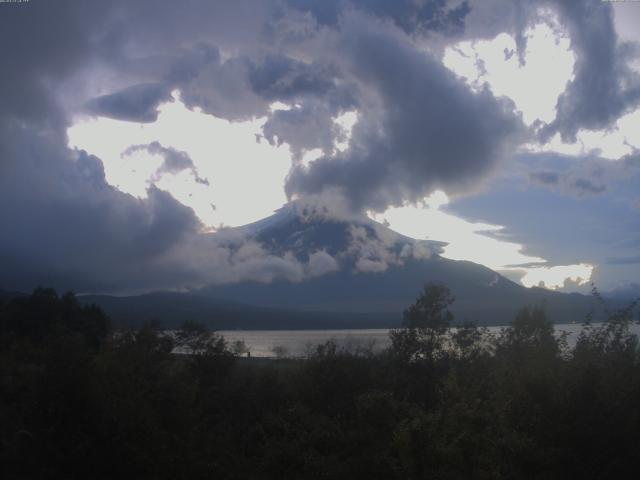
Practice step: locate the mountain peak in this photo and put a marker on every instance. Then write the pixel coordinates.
(355, 241)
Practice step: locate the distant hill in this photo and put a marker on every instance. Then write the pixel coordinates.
(170, 309)
(629, 292)
(6, 296)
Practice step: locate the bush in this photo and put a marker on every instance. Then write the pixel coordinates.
(78, 401)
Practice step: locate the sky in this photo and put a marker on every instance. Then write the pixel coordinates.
(133, 133)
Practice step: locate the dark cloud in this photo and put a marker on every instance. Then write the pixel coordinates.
(567, 183)
(175, 161)
(138, 103)
(603, 87)
(634, 260)
(238, 88)
(279, 77)
(319, 93)
(545, 178)
(69, 227)
(420, 129)
(243, 87)
(586, 176)
(63, 224)
(224, 90)
(584, 186)
(409, 15)
(44, 43)
(305, 127)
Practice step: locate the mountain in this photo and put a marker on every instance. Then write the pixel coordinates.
(627, 293)
(382, 271)
(6, 296)
(170, 309)
(358, 274)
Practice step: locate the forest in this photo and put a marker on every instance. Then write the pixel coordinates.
(79, 399)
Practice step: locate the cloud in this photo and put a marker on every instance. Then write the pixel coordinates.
(69, 227)
(557, 276)
(584, 177)
(584, 186)
(279, 77)
(64, 225)
(48, 42)
(409, 15)
(224, 90)
(420, 127)
(320, 263)
(603, 87)
(306, 127)
(376, 248)
(175, 161)
(138, 103)
(545, 178)
(633, 260)
(567, 183)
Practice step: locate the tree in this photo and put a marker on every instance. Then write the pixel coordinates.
(426, 324)
(431, 311)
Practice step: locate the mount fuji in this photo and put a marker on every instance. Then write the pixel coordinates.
(353, 273)
(372, 270)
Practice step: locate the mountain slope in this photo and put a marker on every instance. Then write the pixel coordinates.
(375, 274)
(382, 271)
(170, 309)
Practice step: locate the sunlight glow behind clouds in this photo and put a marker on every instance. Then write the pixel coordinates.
(246, 176)
(555, 277)
(471, 241)
(466, 240)
(611, 144)
(246, 173)
(536, 86)
(495, 62)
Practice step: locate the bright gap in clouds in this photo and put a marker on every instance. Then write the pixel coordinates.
(535, 86)
(244, 172)
(611, 144)
(495, 62)
(469, 241)
(246, 176)
(557, 276)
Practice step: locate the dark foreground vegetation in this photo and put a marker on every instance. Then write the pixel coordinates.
(80, 401)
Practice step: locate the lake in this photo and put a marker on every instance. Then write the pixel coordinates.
(297, 343)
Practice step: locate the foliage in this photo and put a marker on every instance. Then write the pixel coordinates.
(79, 401)
(426, 325)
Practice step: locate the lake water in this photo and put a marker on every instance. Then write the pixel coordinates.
(297, 343)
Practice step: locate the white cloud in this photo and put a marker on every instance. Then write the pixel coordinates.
(246, 176)
(346, 121)
(320, 263)
(611, 144)
(557, 276)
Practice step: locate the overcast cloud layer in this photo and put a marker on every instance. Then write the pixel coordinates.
(420, 127)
